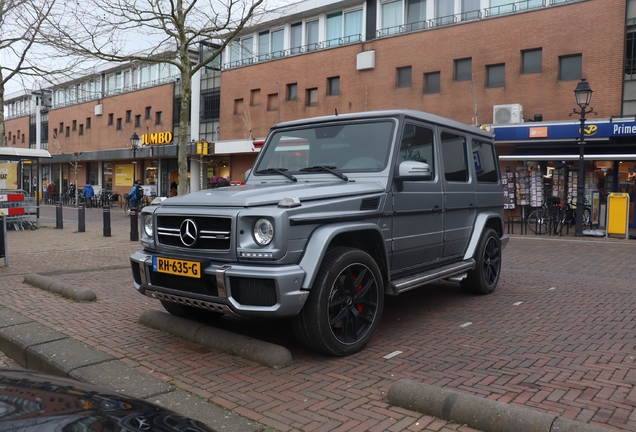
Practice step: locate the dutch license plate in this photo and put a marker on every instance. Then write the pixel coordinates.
(176, 267)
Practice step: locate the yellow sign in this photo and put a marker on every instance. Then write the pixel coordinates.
(617, 213)
(124, 174)
(8, 176)
(156, 138)
(590, 130)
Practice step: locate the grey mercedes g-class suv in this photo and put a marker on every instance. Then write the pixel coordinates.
(336, 213)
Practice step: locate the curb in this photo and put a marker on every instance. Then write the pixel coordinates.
(478, 412)
(61, 288)
(39, 348)
(265, 353)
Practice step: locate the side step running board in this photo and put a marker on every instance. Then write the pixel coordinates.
(413, 281)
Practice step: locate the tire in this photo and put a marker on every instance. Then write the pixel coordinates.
(341, 314)
(127, 208)
(190, 312)
(586, 218)
(484, 277)
(540, 222)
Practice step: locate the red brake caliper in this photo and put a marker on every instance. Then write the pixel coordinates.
(359, 305)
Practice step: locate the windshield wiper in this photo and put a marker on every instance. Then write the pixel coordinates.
(281, 171)
(325, 168)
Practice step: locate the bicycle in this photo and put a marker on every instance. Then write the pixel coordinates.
(541, 220)
(142, 202)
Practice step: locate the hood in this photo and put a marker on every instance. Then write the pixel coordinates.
(271, 194)
(36, 402)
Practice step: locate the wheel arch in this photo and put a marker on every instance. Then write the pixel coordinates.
(366, 237)
(483, 222)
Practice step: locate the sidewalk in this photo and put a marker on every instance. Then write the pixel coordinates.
(556, 336)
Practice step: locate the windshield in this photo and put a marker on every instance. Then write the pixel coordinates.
(361, 146)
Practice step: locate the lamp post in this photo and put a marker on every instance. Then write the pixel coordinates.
(583, 93)
(134, 145)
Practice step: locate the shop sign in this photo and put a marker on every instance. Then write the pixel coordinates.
(597, 129)
(158, 138)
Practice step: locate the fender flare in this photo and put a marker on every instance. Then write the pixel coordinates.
(321, 238)
(479, 226)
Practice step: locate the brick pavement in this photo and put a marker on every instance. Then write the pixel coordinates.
(558, 335)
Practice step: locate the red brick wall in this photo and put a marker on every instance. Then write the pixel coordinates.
(14, 129)
(557, 30)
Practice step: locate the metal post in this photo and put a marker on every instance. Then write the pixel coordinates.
(58, 216)
(580, 189)
(3, 240)
(106, 220)
(134, 226)
(81, 219)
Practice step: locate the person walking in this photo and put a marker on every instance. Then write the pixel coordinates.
(134, 195)
(89, 193)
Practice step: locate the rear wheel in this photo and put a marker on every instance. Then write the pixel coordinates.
(484, 277)
(190, 312)
(345, 304)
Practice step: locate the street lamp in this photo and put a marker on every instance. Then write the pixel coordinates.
(134, 145)
(583, 93)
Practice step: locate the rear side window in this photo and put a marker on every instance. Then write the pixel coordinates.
(485, 162)
(455, 160)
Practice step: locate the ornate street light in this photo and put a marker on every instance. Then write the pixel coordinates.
(583, 93)
(134, 145)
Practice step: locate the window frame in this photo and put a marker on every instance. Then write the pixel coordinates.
(527, 65)
(465, 75)
(574, 76)
(436, 87)
(311, 94)
(401, 79)
(492, 75)
(289, 95)
(333, 86)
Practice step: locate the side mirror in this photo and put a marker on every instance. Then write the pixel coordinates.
(412, 171)
(415, 169)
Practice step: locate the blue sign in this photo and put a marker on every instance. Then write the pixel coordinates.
(596, 129)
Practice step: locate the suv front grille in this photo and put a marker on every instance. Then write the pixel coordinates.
(214, 232)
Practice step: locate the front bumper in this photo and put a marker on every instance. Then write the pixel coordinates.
(236, 289)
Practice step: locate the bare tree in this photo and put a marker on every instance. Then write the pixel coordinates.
(172, 29)
(25, 52)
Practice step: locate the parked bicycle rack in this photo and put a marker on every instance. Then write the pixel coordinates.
(14, 208)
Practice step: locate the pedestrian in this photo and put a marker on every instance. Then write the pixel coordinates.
(224, 181)
(89, 193)
(134, 195)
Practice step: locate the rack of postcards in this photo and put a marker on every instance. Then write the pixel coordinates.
(522, 189)
(591, 183)
(508, 183)
(560, 183)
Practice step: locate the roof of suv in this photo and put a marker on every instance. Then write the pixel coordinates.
(420, 115)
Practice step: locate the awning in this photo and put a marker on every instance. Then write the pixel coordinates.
(12, 153)
(592, 153)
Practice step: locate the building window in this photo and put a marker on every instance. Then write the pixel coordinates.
(68, 131)
(312, 97)
(296, 38)
(272, 102)
(111, 117)
(432, 82)
(81, 129)
(88, 122)
(238, 106)
(263, 46)
(463, 69)
(138, 120)
(54, 134)
(311, 35)
(444, 11)
(128, 116)
(333, 86)
(255, 97)
(495, 75)
(531, 61)
(119, 123)
(292, 92)
(415, 14)
(391, 17)
(61, 127)
(74, 125)
(570, 67)
(278, 43)
(211, 104)
(148, 113)
(159, 117)
(470, 10)
(404, 77)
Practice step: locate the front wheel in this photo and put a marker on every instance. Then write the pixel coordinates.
(540, 221)
(345, 304)
(484, 277)
(127, 209)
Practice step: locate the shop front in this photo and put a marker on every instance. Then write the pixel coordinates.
(540, 160)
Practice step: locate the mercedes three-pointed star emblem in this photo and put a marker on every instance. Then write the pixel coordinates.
(188, 232)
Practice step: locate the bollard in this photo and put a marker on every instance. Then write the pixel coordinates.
(106, 220)
(58, 216)
(134, 226)
(3, 240)
(81, 218)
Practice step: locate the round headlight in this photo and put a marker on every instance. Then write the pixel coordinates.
(148, 225)
(263, 232)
